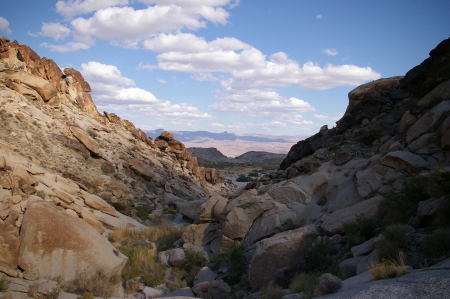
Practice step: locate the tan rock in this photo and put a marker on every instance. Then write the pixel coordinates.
(242, 213)
(52, 245)
(200, 234)
(9, 254)
(45, 89)
(97, 203)
(276, 252)
(92, 220)
(403, 160)
(84, 138)
(141, 169)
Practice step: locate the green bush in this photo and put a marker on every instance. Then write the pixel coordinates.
(305, 283)
(437, 244)
(439, 184)
(254, 173)
(360, 230)
(91, 133)
(400, 207)
(143, 212)
(272, 292)
(396, 241)
(3, 283)
(243, 178)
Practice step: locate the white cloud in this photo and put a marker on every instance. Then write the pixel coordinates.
(246, 66)
(319, 16)
(4, 25)
(261, 104)
(212, 3)
(110, 90)
(69, 47)
(331, 52)
(162, 81)
(205, 77)
(71, 8)
(217, 125)
(126, 23)
(54, 30)
(321, 117)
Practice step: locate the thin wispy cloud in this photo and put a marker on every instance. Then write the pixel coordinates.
(331, 52)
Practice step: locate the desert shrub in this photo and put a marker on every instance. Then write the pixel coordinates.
(91, 133)
(254, 173)
(361, 229)
(169, 210)
(272, 292)
(237, 266)
(367, 136)
(439, 183)
(396, 241)
(288, 224)
(178, 281)
(400, 207)
(164, 236)
(3, 283)
(141, 261)
(195, 260)
(388, 268)
(53, 294)
(328, 284)
(156, 277)
(243, 178)
(437, 244)
(305, 283)
(143, 212)
(97, 284)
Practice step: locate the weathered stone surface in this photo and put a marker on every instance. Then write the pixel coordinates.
(348, 267)
(334, 223)
(219, 289)
(92, 220)
(403, 160)
(97, 203)
(276, 252)
(204, 275)
(243, 211)
(52, 245)
(364, 264)
(84, 138)
(45, 89)
(428, 122)
(200, 234)
(426, 144)
(438, 94)
(363, 249)
(141, 169)
(9, 253)
(152, 292)
(177, 257)
(289, 192)
(407, 120)
(191, 209)
(432, 206)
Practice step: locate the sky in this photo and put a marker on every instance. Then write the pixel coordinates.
(271, 67)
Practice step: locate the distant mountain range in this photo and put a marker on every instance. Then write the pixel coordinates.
(232, 145)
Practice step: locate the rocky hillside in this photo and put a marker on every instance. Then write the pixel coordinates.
(367, 200)
(69, 174)
(212, 156)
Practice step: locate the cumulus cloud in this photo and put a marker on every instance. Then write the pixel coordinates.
(112, 90)
(54, 30)
(71, 8)
(126, 23)
(69, 47)
(331, 52)
(261, 104)
(246, 66)
(4, 25)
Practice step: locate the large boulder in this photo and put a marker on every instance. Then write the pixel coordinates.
(9, 253)
(243, 211)
(276, 252)
(44, 88)
(334, 223)
(84, 138)
(403, 160)
(54, 245)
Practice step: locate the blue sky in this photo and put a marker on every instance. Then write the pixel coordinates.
(267, 67)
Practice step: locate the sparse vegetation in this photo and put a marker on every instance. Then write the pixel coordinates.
(360, 230)
(328, 284)
(3, 283)
(400, 207)
(305, 283)
(244, 178)
(92, 133)
(439, 184)
(389, 268)
(272, 292)
(98, 284)
(437, 244)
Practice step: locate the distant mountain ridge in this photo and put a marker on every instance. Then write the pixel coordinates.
(231, 144)
(210, 156)
(193, 135)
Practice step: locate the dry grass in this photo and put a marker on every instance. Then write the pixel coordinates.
(163, 236)
(98, 284)
(272, 292)
(389, 268)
